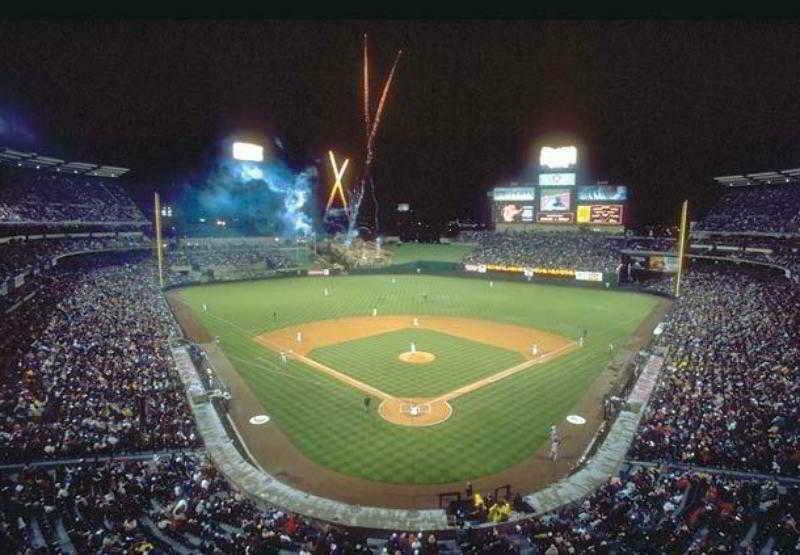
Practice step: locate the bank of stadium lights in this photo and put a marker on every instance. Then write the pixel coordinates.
(562, 157)
(248, 152)
(222, 223)
(166, 211)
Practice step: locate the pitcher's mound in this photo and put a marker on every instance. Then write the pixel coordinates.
(418, 357)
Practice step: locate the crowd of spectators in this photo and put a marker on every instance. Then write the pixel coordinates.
(166, 504)
(234, 254)
(761, 208)
(577, 251)
(729, 395)
(28, 195)
(645, 510)
(654, 244)
(93, 374)
(19, 255)
(180, 503)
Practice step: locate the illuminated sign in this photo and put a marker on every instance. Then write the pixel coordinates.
(248, 152)
(480, 268)
(603, 192)
(555, 218)
(563, 157)
(554, 272)
(403, 207)
(663, 263)
(602, 214)
(589, 276)
(514, 194)
(556, 179)
(530, 272)
(504, 268)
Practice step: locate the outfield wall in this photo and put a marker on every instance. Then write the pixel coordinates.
(453, 269)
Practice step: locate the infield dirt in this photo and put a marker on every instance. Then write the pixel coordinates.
(323, 333)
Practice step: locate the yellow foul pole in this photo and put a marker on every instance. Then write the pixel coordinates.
(159, 243)
(681, 247)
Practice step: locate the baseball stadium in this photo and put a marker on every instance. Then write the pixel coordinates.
(346, 318)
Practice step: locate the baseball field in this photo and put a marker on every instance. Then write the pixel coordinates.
(464, 377)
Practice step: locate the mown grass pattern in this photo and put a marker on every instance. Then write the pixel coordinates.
(373, 360)
(491, 428)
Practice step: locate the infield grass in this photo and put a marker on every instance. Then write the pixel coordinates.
(373, 360)
(491, 428)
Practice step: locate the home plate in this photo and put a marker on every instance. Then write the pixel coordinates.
(259, 419)
(575, 419)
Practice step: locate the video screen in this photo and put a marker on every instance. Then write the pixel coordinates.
(513, 212)
(602, 214)
(603, 192)
(554, 200)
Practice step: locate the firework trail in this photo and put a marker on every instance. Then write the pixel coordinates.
(371, 126)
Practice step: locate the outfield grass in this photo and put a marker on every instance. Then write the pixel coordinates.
(428, 252)
(491, 428)
(373, 360)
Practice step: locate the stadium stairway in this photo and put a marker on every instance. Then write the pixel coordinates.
(767, 548)
(162, 539)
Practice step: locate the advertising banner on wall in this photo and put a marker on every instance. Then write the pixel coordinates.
(480, 268)
(588, 276)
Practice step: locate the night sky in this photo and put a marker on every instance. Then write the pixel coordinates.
(659, 106)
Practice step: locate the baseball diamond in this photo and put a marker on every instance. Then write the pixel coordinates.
(482, 391)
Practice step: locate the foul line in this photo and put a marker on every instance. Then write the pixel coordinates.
(499, 376)
(342, 377)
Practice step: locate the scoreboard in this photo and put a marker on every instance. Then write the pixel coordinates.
(557, 195)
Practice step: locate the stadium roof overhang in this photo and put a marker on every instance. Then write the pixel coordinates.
(11, 157)
(764, 178)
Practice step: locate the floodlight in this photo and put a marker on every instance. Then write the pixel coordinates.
(248, 151)
(563, 157)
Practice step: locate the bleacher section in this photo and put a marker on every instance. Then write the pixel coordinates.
(87, 375)
(31, 195)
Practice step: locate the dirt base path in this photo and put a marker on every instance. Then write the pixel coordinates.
(324, 333)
